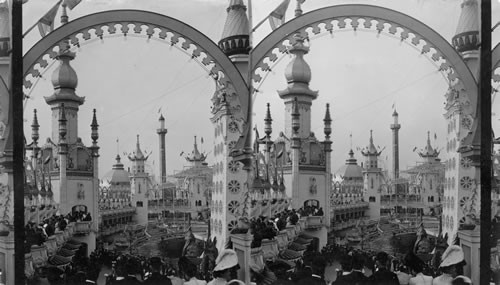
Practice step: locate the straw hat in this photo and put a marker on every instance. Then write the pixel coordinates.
(452, 255)
(226, 259)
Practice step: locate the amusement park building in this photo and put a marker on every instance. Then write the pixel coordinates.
(347, 200)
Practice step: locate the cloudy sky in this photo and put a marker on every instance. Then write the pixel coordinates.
(359, 73)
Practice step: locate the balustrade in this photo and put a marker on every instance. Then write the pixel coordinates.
(314, 222)
(82, 228)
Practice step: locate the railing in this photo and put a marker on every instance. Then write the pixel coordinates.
(82, 228)
(314, 222)
(358, 205)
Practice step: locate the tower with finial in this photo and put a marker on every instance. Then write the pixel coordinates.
(427, 178)
(395, 126)
(235, 39)
(307, 164)
(72, 166)
(463, 135)
(162, 131)
(373, 178)
(140, 184)
(229, 177)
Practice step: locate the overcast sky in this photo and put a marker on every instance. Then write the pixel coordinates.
(359, 74)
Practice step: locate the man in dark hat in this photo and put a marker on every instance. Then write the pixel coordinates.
(318, 270)
(125, 270)
(156, 277)
(352, 267)
(383, 275)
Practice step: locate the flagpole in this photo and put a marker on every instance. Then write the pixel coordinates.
(31, 28)
(260, 23)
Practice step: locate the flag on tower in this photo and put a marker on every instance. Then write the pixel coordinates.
(277, 16)
(72, 3)
(46, 23)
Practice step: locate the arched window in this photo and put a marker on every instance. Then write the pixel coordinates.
(139, 188)
(430, 183)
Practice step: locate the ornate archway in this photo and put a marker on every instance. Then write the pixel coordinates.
(170, 30)
(331, 19)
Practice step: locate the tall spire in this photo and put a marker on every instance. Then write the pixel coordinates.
(429, 152)
(268, 121)
(35, 135)
(467, 35)
(235, 37)
(196, 157)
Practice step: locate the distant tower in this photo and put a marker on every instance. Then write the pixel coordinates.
(196, 158)
(372, 175)
(139, 184)
(162, 131)
(395, 145)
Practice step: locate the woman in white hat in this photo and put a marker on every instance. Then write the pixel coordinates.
(452, 262)
(226, 267)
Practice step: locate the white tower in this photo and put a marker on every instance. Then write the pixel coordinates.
(140, 183)
(372, 176)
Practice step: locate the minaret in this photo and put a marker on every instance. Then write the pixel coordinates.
(139, 184)
(235, 40)
(295, 154)
(162, 131)
(298, 76)
(372, 176)
(395, 126)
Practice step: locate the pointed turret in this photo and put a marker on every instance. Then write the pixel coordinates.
(35, 135)
(429, 154)
(235, 39)
(196, 158)
(94, 129)
(328, 122)
(467, 35)
(371, 154)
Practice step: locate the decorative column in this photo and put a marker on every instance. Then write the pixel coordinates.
(395, 145)
(295, 153)
(242, 247)
(328, 163)
(162, 131)
(95, 159)
(63, 153)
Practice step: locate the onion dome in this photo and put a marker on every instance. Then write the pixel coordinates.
(235, 39)
(117, 175)
(64, 80)
(351, 169)
(467, 35)
(298, 72)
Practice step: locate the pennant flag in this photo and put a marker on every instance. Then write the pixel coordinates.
(46, 160)
(72, 3)
(46, 23)
(280, 154)
(277, 17)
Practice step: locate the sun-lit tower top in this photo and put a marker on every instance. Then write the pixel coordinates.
(235, 39)
(467, 35)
